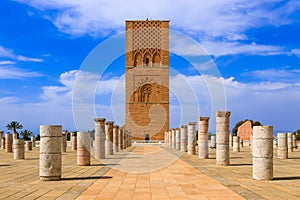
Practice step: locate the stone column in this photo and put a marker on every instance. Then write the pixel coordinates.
(74, 141)
(231, 140)
(83, 148)
(294, 138)
(290, 142)
(99, 138)
(28, 146)
(177, 138)
(19, 152)
(213, 141)
(64, 141)
(203, 137)
(222, 135)
(8, 143)
(115, 139)
(170, 138)
(183, 137)
(33, 141)
(262, 153)
(191, 138)
(50, 153)
(124, 139)
(282, 149)
(173, 138)
(3, 143)
(120, 137)
(236, 144)
(109, 138)
(241, 143)
(251, 144)
(1, 136)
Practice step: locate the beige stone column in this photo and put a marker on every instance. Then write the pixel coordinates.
(251, 144)
(262, 158)
(64, 141)
(275, 143)
(109, 138)
(99, 148)
(290, 142)
(203, 137)
(83, 148)
(231, 140)
(241, 143)
(115, 139)
(28, 146)
(50, 153)
(120, 137)
(8, 143)
(183, 137)
(213, 141)
(170, 138)
(222, 138)
(173, 138)
(3, 143)
(74, 141)
(236, 144)
(191, 138)
(125, 139)
(282, 149)
(1, 136)
(18, 146)
(294, 138)
(177, 138)
(33, 141)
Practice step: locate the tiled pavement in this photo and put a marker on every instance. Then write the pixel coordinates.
(160, 175)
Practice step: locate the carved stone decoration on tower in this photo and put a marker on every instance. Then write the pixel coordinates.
(147, 79)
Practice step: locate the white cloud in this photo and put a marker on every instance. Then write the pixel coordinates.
(211, 18)
(296, 52)
(10, 72)
(7, 62)
(7, 53)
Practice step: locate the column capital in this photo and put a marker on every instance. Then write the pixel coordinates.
(99, 120)
(223, 114)
(203, 118)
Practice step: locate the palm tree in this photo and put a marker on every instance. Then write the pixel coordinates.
(14, 125)
(26, 134)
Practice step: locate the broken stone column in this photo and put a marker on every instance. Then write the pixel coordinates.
(262, 158)
(120, 137)
(83, 148)
(294, 138)
(213, 141)
(8, 143)
(28, 146)
(290, 142)
(231, 140)
(183, 137)
(19, 152)
(64, 141)
(1, 136)
(177, 136)
(173, 138)
(170, 138)
(241, 143)
(222, 135)
(115, 139)
(109, 138)
(236, 144)
(282, 149)
(124, 139)
(50, 153)
(33, 141)
(99, 149)
(74, 141)
(3, 143)
(251, 144)
(191, 138)
(203, 137)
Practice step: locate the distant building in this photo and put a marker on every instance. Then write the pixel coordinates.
(245, 130)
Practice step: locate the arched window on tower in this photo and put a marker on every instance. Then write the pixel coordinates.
(145, 93)
(147, 62)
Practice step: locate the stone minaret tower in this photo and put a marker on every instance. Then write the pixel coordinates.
(147, 79)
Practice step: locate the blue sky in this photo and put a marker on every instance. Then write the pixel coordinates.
(254, 45)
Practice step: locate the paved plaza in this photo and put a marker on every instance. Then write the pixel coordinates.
(149, 172)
